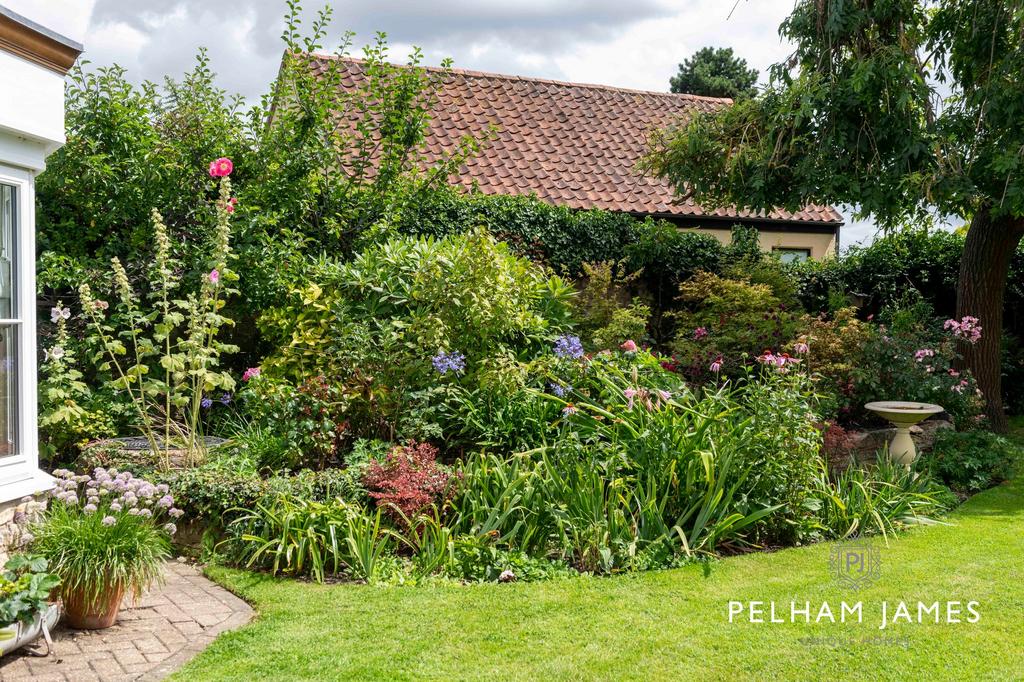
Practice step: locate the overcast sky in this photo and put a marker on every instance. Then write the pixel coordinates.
(627, 43)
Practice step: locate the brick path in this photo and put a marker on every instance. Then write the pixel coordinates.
(150, 640)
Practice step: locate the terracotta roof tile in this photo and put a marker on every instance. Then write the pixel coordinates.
(569, 143)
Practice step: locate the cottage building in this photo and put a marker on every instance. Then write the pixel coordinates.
(578, 145)
(33, 63)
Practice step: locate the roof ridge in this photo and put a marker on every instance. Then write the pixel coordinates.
(530, 79)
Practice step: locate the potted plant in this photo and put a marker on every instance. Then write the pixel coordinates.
(104, 535)
(25, 608)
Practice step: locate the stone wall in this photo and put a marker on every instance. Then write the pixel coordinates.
(13, 517)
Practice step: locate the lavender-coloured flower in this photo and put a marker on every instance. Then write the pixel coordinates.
(108, 521)
(206, 403)
(145, 512)
(445, 362)
(89, 508)
(560, 390)
(569, 347)
(170, 528)
(225, 398)
(175, 513)
(166, 502)
(116, 506)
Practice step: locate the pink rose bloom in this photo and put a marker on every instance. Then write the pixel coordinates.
(250, 373)
(221, 167)
(629, 346)
(214, 276)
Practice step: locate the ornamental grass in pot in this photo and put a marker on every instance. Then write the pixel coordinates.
(104, 535)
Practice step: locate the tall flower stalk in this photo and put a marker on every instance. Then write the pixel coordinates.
(167, 357)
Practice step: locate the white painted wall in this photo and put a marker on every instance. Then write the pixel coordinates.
(31, 101)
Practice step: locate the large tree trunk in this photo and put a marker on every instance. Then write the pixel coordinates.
(984, 267)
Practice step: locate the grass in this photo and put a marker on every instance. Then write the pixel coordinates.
(657, 625)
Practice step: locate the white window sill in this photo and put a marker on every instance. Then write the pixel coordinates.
(31, 484)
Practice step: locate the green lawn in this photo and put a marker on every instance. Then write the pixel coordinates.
(657, 625)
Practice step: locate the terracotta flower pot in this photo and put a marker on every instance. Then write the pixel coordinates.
(103, 615)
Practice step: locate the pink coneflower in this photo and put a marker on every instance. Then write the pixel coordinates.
(569, 410)
(221, 167)
(716, 365)
(801, 348)
(629, 346)
(214, 276)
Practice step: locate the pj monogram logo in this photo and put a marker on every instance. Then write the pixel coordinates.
(855, 564)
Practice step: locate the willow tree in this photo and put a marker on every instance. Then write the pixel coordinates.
(904, 108)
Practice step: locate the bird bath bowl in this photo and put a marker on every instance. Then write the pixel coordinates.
(903, 415)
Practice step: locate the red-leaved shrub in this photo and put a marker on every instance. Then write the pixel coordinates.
(409, 479)
(837, 444)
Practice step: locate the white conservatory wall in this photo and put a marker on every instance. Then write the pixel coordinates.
(31, 111)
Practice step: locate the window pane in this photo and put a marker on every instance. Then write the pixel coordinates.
(793, 255)
(8, 390)
(8, 216)
(8, 333)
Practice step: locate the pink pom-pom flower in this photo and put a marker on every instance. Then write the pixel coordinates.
(221, 167)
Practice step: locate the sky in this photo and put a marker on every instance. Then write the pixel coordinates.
(631, 43)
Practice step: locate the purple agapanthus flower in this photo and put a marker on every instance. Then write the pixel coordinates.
(225, 399)
(560, 390)
(206, 403)
(569, 346)
(449, 362)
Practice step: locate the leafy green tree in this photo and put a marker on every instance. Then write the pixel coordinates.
(906, 109)
(715, 72)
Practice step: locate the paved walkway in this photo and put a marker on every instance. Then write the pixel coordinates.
(150, 640)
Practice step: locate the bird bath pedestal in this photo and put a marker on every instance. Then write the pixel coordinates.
(903, 415)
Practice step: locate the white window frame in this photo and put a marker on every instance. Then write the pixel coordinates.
(19, 473)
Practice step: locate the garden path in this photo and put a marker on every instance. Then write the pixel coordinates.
(151, 639)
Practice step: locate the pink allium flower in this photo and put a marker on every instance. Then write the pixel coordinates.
(629, 346)
(699, 333)
(250, 373)
(221, 167)
(214, 276)
(716, 366)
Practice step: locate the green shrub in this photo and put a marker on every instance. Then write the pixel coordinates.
(376, 330)
(729, 319)
(606, 312)
(781, 457)
(971, 461)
